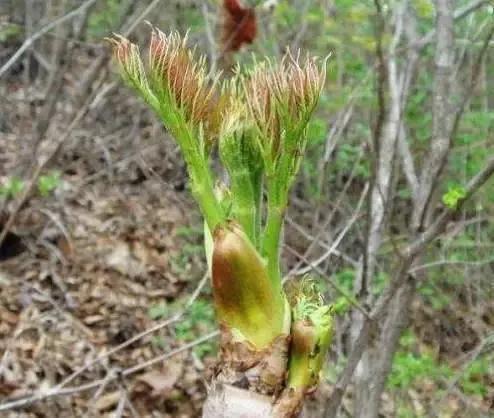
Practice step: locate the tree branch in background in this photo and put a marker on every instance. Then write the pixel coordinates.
(375, 214)
(85, 98)
(386, 146)
(459, 14)
(477, 66)
(44, 30)
(442, 117)
(400, 276)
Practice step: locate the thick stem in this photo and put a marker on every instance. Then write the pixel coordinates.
(271, 242)
(257, 183)
(201, 179)
(203, 191)
(260, 373)
(226, 401)
(244, 203)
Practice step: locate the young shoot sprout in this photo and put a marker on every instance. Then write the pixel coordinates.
(258, 121)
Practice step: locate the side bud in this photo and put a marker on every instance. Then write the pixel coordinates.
(312, 330)
(311, 337)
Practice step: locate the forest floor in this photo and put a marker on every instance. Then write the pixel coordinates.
(96, 262)
(114, 250)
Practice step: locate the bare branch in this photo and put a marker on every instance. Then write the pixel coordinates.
(442, 118)
(408, 164)
(473, 81)
(338, 239)
(45, 29)
(399, 278)
(441, 263)
(45, 394)
(438, 226)
(458, 15)
(485, 346)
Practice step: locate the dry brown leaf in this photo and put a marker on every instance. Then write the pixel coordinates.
(108, 400)
(162, 382)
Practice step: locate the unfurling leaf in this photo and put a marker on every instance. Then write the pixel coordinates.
(281, 100)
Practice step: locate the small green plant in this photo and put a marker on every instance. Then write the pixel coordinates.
(475, 379)
(9, 31)
(159, 310)
(436, 298)
(48, 183)
(404, 410)
(198, 320)
(454, 194)
(345, 278)
(341, 305)
(258, 121)
(181, 261)
(104, 18)
(12, 187)
(189, 250)
(410, 368)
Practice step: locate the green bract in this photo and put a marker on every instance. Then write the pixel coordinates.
(246, 300)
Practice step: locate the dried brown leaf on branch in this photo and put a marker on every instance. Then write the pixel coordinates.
(239, 25)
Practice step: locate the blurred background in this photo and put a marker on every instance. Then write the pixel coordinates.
(102, 241)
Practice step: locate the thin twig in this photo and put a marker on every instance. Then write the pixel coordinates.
(45, 29)
(121, 406)
(478, 351)
(440, 263)
(141, 17)
(59, 389)
(435, 228)
(338, 239)
(159, 359)
(161, 325)
(45, 394)
(41, 164)
(459, 14)
(82, 328)
(324, 226)
(297, 227)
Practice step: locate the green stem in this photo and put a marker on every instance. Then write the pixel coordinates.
(299, 375)
(244, 204)
(203, 191)
(271, 242)
(257, 181)
(246, 217)
(202, 184)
